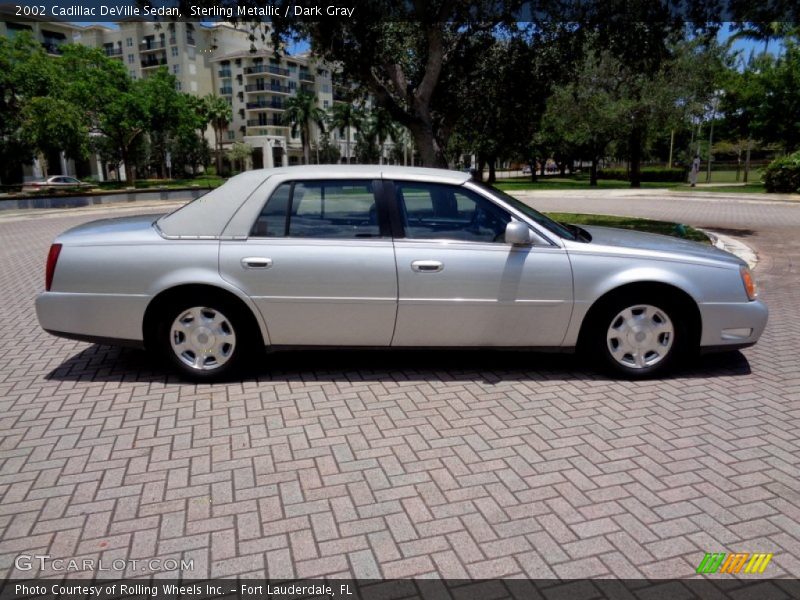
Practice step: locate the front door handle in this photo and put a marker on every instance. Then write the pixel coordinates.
(256, 262)
(427, 266)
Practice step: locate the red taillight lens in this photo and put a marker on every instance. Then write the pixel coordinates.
(50, 269)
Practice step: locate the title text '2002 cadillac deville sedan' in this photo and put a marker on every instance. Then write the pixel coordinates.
(374, 256)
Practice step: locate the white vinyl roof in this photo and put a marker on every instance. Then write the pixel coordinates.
(207, 216)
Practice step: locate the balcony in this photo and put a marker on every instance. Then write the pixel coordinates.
(173, 40)
(226, 91)
(224, 73)
(266, 69)
(306, 77)
(154, 62)
(113, 51)
(265, 105)
(260, 87)
(190, 40)
(150, 46)
(264, 130)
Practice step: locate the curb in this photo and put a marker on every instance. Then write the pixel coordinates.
(734, 246)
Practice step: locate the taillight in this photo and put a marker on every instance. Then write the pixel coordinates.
(50, 269)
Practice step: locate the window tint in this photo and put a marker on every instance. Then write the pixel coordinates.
(435, 211)
(320, 209)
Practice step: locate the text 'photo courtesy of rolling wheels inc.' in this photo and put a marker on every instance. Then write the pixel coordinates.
(378, 300)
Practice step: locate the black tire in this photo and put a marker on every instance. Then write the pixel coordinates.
(658, 353)
(230, 338)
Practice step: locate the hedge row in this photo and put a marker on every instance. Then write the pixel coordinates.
(647, 174)
(783, 174)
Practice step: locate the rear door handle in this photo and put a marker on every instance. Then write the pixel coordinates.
(427, 266)
(256, 262)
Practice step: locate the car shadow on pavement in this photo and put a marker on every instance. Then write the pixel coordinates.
(105, 363)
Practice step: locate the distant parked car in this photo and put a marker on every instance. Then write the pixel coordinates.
(378, 256)
(57, 182)
(526, 170)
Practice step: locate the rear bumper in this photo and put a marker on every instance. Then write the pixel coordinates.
(93, 317)
(728, 326)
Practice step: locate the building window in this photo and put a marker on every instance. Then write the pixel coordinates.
(231, 135)
(129, 42)
(176, 69)
(130, 59)
(174, 51)
(133, 74)
(324, 104)
(178, 86)
(190, 51)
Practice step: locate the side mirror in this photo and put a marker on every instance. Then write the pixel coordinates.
(518, 234)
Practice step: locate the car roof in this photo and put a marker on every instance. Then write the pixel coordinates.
(208, 215)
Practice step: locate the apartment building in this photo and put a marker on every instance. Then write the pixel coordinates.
(257, 85)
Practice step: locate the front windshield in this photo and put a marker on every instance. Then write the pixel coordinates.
(546, 222)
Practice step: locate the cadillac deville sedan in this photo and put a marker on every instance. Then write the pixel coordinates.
(376, 256)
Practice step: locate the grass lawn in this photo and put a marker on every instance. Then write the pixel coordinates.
(750, 188)
(577, 182)
(647, 225)
(581, 182)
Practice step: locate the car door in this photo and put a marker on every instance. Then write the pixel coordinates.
(460, 284)
(319, 264)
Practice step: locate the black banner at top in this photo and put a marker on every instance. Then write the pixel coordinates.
(401, 10)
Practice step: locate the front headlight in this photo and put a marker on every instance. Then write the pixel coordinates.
(749, 283)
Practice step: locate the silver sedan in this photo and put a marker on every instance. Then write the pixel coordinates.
(375, 256)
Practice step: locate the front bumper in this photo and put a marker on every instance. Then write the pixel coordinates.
(727, 326)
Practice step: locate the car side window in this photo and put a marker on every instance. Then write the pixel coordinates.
(336, 209)
(433, 211)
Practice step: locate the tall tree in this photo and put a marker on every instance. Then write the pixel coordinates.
(220, 115)
(380, 127)
(301, 112)
(346, 116)
(115, 107)
(26, 72)
(399, 53)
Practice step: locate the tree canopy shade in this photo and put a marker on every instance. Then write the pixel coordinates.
(400, 51)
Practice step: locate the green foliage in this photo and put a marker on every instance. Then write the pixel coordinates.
(219, 113)
(346, 116)
(301, 111)
(328, 153)
(239, 153)
(646, 174)
(783, 174)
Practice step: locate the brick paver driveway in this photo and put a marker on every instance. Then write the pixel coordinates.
(455, 464)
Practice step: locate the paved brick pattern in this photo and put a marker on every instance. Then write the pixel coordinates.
(405, 464)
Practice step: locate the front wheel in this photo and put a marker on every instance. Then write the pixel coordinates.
(203, 340)
(638, 339)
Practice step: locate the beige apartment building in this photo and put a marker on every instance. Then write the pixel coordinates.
(215, 59)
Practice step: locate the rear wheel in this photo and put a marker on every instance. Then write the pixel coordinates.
(638, 339)
(203, 339)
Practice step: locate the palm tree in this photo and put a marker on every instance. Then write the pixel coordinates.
(219, 115)
(301, 111)
(381, 128)
(345, 116)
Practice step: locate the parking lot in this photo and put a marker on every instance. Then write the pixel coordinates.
(403, 464)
